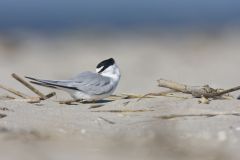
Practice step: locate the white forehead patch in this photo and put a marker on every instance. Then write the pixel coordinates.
(99, 69)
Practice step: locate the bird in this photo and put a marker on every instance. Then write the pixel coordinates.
(88, 86)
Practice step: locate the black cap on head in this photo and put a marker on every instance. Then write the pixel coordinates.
(105, 64)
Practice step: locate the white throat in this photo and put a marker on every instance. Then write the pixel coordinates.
(112, 72)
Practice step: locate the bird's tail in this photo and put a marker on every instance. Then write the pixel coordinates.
(40, 82)
(51, 83)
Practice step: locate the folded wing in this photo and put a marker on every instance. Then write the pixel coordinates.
(87, 82)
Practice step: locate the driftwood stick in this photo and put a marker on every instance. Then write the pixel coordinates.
(196, 91)
(22, 95)
(225, 91)
(29, 86)
(50, 95)
(173, 85)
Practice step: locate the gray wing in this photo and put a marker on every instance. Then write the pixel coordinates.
(87, 82)
(92, 83)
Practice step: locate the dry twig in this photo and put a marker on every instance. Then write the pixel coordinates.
(128, 96)
(29, 86)
(164, 93)
(70, 102)
(50, 95)
(22, 95)
(124, 110)
(196, 91)
(133, 96)
(96, 106)
(106, 120)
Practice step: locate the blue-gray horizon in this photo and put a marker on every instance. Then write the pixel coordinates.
(62, 14)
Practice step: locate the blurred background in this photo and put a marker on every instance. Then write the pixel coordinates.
(195, 42)
(190, 41)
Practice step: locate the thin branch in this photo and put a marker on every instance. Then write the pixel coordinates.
(22, 95)
(173, 85)
(133, 96)
(50, 95)
(127, 96)
(106, 120)
(196, 91)
(223, 92)
(124, 110)
(69, 102)
(164, 93)
(96, 106)
(29, 86)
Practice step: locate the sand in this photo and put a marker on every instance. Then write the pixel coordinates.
(54, 131)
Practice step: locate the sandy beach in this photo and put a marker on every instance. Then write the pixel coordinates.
(136, 129)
